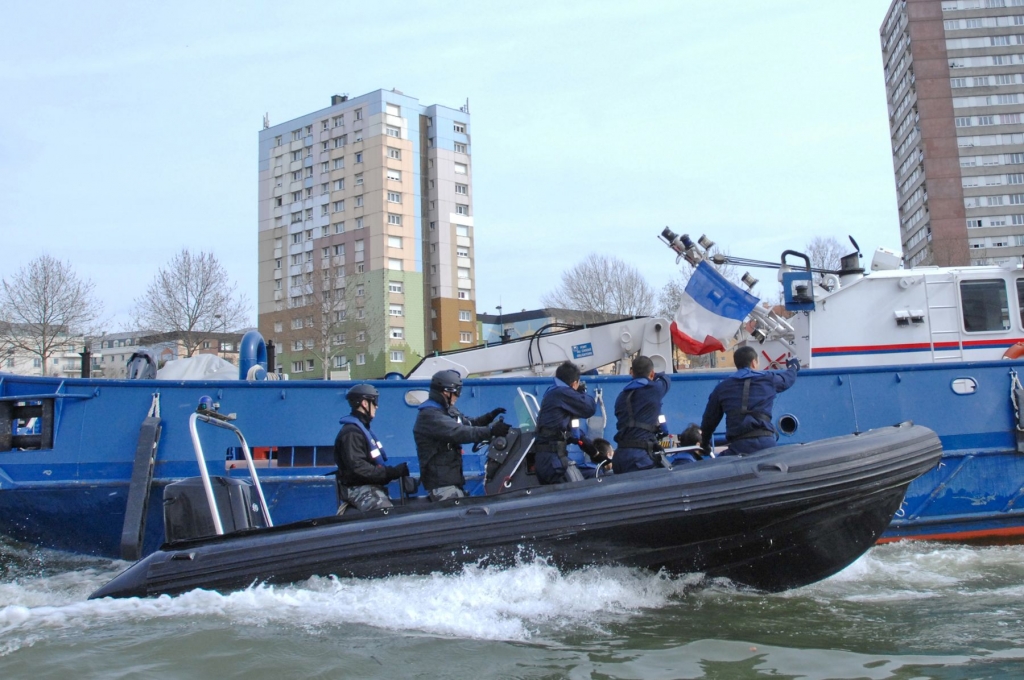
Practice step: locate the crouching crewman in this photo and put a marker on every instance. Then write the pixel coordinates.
(362, 475)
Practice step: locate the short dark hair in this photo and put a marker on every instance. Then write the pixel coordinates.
(567, 372)
(642, 366)
(690, 436)
(744, 356)
(603, 446)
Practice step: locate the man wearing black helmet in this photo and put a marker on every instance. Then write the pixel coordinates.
(362, 474)
(441, 429)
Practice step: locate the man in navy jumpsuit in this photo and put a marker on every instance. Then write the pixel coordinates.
(565, 401)
(639, 420)
(746, 399)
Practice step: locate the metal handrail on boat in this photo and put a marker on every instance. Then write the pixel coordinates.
(218, 420)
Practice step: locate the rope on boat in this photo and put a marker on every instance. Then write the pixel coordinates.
(154, 408)
(1016, 390)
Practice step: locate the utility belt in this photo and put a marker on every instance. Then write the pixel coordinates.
(753, 434)
(558, 448)
(653, 449)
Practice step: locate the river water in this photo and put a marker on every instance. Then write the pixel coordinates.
(901, 611)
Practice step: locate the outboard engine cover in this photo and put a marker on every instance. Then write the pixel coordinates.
(187, 510)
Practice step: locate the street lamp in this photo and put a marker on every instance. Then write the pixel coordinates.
(502, 335)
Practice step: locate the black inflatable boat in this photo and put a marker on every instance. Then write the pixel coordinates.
(780, 519)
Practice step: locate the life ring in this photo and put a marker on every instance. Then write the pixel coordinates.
(1015, 351)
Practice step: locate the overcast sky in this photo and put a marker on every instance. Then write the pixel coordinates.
(129, 130)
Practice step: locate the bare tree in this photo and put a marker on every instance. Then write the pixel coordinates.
(825, 253)
(324, 304)
(45, 309)
(601, 283)
(192, 298)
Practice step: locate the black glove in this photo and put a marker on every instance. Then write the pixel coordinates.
(499, 428)
(793, 363)
(490, 416)
(588, 448)
(705, 449)
(398, 471)
(582, 387)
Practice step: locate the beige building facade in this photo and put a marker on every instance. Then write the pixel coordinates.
(954, 77)
(365, 236)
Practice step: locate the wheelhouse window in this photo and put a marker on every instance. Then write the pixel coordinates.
(985, 306)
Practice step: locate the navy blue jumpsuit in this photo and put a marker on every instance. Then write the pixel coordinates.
(637, 410)
(559, 407)
(748, 420)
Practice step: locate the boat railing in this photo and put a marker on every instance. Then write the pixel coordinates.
(220, 420)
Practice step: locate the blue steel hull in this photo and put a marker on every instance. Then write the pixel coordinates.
(72, 496)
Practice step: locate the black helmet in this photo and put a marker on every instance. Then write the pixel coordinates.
(447, 381)
(357, 393)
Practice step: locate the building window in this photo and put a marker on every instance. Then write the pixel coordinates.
(278, 326)
(339, 339)
(397, 355)
(339, 250)
(296, 367)
(395, 310)
(465, 337)
(359, 179)
(464, 315)
(462, 189)
(339, 184)
(461, 209)
(339, 228)
(394, 264)
(463, 272)
(339, 163)
(359, 114)
(461, 169)
(394, 286)
(359, 157)
(297, 346)
(393, 131)
(394, 241)
(360, 359)
(339, 206)
(964, 121)
(463, 294)
(359, 201)
(394, 197)
(397, 333)
(359, 223)
(338, 121)
(296, 324)
(462, 251)
(340, 361)
(460, 127)
(460, 148)
(395, 175)
(394, 219)
(394, 153)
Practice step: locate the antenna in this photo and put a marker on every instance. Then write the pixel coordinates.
(266, 120)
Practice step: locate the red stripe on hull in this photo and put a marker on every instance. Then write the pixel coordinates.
(979, 536)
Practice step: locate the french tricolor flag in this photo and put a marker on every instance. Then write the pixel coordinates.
(710, 312)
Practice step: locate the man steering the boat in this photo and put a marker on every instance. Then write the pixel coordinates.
(746, 399)
(360, 457)
(441, 429)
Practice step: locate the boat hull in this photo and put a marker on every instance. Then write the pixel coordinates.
(773, 521)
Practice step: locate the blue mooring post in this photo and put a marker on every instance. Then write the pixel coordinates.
(253, 352)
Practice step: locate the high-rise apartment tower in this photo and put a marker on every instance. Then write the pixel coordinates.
(954, 77)
(366, 236)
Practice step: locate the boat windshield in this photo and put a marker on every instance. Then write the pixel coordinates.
(526, 411)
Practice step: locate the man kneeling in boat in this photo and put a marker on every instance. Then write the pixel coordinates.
(441, 429)
(362, 475)
(746, 399)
